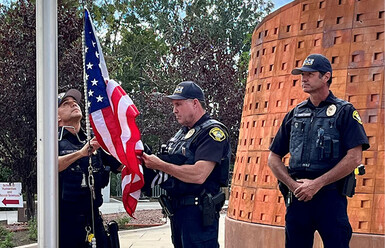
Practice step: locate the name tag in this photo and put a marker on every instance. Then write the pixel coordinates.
(303, 115)
(65, 152)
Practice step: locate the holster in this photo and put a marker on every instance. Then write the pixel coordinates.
(349, 185)
(211, 205)
(165, 203)
(112, 234)
(208, 210)
(219, 201)
(286, 193)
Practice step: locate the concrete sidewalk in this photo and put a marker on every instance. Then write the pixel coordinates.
(159, 236)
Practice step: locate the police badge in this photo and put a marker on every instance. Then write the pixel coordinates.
(189, 133)
(331, 110)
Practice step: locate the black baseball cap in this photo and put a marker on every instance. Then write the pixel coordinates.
(187, 90)
(314, 62)
(70, 93)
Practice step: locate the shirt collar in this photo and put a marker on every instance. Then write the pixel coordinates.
(82, 135)
(204, 118)
(330, 99)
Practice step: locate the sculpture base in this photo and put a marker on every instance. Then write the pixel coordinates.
(240, 234)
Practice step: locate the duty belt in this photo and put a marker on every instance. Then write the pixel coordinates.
(188, 200)
(191, 200)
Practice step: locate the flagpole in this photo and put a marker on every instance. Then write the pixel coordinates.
(88, 128)
(86, 112)
(47, 143)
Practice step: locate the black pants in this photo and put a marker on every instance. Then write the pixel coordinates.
(72, 232)
(326, 213)
(188, 231)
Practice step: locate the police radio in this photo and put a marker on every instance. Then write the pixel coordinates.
(350, 181)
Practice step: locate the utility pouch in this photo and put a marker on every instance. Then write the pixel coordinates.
(336, 148)
(327, 147)
(208, 210)
(165, 203)
(349, 185)
(112, 234)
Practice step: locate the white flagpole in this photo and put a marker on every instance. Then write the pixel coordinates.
(47, 143)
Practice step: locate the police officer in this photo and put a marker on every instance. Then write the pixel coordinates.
(197, 159)
(325, 138)
(79, 202)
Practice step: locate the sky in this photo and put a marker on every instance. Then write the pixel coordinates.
(279, 3)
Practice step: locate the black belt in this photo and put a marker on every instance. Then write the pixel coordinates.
(188, 200)
(191, 200)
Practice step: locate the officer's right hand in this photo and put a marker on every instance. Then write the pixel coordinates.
(151, 161)
(307, 189)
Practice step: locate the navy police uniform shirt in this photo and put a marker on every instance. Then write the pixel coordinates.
(206, 146)
(349, 125)
(209, 147)
(70, 179)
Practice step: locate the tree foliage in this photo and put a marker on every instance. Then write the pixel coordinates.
(205, 41)
(149, 45)
(18, 81)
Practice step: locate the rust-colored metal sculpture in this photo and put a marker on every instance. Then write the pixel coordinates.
(351, 34)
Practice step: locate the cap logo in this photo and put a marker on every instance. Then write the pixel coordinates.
(308, 62)
(178, 90)
(60, 96)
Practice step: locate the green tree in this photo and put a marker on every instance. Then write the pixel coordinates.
(206, 41)
(18, 81)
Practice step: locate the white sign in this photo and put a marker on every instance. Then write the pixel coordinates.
(10, 195)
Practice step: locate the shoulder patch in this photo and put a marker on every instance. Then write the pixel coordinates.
(217, 134)
(357, 117)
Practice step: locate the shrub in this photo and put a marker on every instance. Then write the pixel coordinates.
(122, 221)
(6, 238)
(32, 229)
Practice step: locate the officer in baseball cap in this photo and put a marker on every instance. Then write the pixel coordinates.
(197, 158)
(324, 136)
(79, 197)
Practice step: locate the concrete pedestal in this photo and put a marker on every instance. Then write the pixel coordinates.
(240, 234)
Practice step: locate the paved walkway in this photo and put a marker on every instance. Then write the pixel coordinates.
(159, 237)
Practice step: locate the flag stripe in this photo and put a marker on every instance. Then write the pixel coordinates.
(115, 131)
(100, 129)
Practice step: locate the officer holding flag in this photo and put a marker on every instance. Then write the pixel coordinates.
(197, 162)
(80, 189)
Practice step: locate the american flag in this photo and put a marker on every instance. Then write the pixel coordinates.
(112, 115)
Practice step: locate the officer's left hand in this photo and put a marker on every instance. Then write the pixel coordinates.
(90, 147)
(307, 189)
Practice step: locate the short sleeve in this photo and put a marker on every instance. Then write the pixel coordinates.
(281, 142)
(352, 130)
(211, 145)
